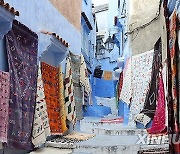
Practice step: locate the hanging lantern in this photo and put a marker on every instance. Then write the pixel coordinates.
(109, 44)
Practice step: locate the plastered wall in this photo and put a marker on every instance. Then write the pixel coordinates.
(71, 9)
(140, 13)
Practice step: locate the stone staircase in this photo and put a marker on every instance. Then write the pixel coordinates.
(94, 125)
(112, 138)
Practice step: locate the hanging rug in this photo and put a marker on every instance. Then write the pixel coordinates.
(69, 141)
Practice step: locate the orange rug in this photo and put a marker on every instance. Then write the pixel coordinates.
(51, 90)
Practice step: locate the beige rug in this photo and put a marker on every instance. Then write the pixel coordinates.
(79, 136)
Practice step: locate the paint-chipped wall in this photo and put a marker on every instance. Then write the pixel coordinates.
(70, 9)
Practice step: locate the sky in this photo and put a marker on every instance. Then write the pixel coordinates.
(99, 2)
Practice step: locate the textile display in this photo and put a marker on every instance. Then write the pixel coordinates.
(178, 47)
(154, 151)
(41, 128)
(22, 47)
(120, 84)
(79, 102)
(62, 142)
(79, 136)
(165, 76)
(158, 125)
(84, 79)
(4, 104)
(107, 75)
(151, 93)
(126, 91)
(75, 65)
(173, 76)
(69, 93)
(141, 76)
(142, 118)
(62, 102)
(119, 88)
(51, 90)
(86, 98)
(151, 98)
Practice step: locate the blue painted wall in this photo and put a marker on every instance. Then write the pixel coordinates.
(94, 110)
(41, 15)
(104, 88)
(91, 43)
(3, 56)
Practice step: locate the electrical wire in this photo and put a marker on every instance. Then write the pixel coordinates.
(148, 23)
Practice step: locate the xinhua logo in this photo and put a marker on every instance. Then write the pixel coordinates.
(158, 139)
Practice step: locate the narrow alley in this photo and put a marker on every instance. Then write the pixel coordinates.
(89, 77)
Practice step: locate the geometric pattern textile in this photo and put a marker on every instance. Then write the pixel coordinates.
(51, 90)
(119, 86)
(173, 104)
(141, 76)
(69, 93)
(158, 125)
(75, 65)
(62, 102)
(79, 136)
(151, 96)
(126, 91)
(22, 46)
(4, 104)
(41, 128)
(84, 79)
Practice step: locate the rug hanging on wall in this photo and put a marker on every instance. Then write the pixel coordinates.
(126, 91)
(51, 89)
(84, 79)
(141, 77)
(62, 102)
(151, 99)
(41, 128)
(22, 46)
(152, 93)
(148, 111)
(76, 63)
(79, 136)
(158, 125)
(173, 105)
(69, 93)
(119, 88)
(4, 104)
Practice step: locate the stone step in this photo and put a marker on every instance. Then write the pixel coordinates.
(105, 144)
(120, 131)
(94, 125)
(95, 122)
